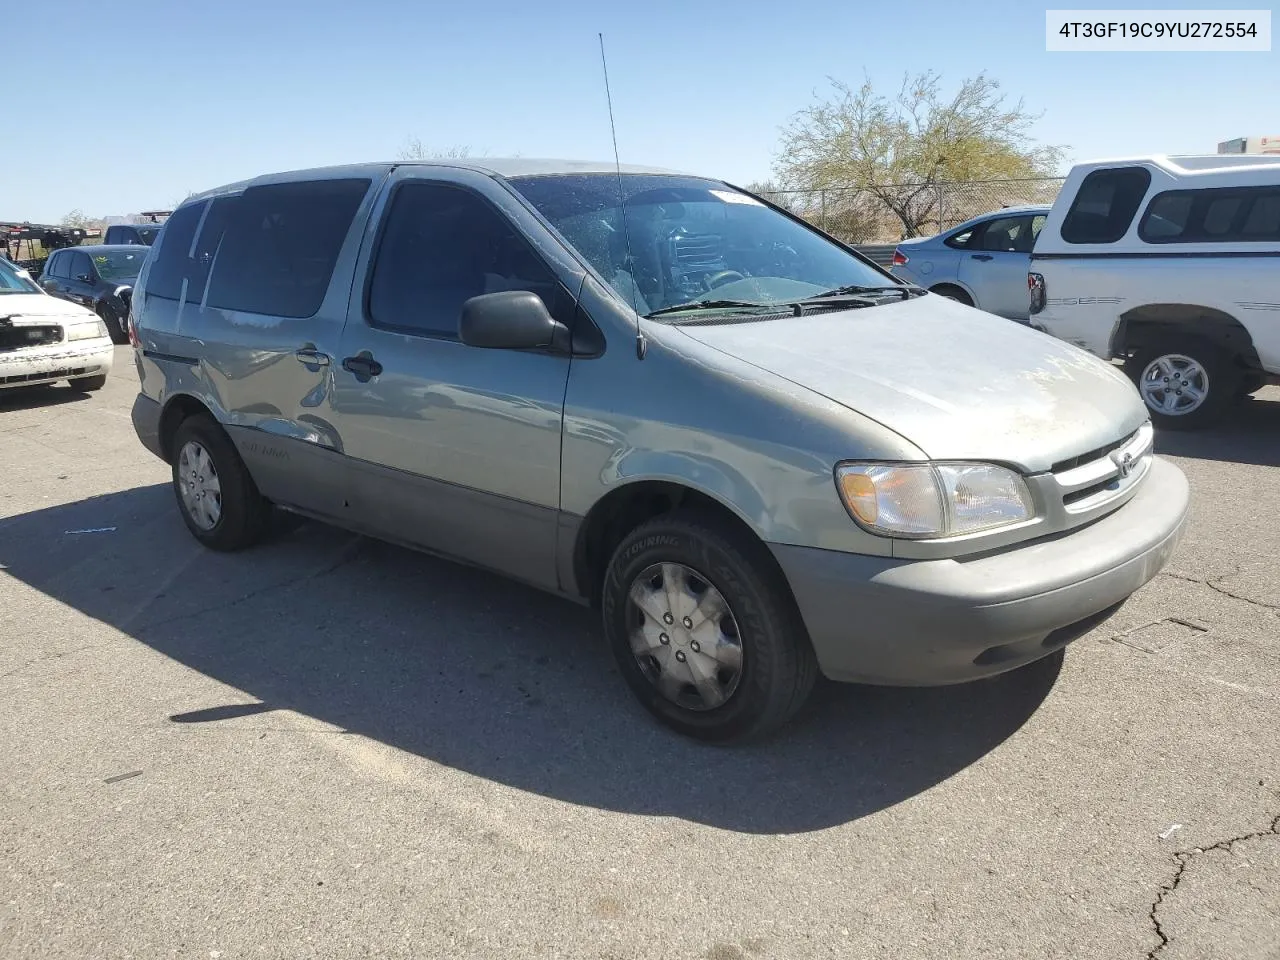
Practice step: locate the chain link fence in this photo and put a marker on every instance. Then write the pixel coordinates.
(894, 212)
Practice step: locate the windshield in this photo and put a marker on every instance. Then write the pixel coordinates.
(119, 264)
(11, 281)
(690, 240)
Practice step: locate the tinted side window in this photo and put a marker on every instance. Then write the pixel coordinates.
(56, 265)
(959, 240)
(80, 266)
(1105, 205)
(1221, 215)
(170, 266)
(280, 245)
(441, 245)
(207, 245)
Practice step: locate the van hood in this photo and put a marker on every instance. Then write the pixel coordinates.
(39, 305)
(958, 383)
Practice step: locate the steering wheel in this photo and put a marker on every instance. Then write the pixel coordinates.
(723, 277)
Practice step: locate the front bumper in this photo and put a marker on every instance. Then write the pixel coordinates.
(29, 366)
(932, 622)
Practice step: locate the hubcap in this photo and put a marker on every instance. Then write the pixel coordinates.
(684, 636)
(198, 485)
(1174, 384)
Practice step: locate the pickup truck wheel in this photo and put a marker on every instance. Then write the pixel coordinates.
(217, 497)
(1186, 382)
(704, 631)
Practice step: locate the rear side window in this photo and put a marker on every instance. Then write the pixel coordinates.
(56, 266)
(280, 246)
(170, 265)
(207, 245)
(1105, 205)
(1219, 215)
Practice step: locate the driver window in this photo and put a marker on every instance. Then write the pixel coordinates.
(442, 245)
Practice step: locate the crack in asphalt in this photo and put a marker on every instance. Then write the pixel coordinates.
(349, 553)
(1183, 858)
(1216, 584)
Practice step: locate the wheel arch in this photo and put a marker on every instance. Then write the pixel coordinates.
(1143, 325)
(626, 507)
(955, 284)
(179, 407)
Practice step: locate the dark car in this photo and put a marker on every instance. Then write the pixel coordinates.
(98, 277)
(132, 233)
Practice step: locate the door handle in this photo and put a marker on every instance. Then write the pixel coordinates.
(982, 256)
(312, 357)
(362, 365)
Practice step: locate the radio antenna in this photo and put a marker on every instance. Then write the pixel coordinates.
(622, 202)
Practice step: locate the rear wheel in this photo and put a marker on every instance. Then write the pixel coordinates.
(953, 293)
(217, 497)
(704, 631)
(1187, 382)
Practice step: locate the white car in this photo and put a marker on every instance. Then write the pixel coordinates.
(44, 339)
(1168, 263)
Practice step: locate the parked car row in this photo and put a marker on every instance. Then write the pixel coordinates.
(1166, 264)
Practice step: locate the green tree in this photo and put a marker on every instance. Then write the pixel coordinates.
(900, 149)
(75, 218)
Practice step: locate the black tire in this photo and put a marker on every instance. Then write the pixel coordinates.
(952, 293)
(1219, 366)
(778, 665)
(115, 326)
(89, 384)
(245, 515)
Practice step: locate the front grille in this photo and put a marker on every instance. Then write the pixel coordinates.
(1102, 475)
(15, 338)
(1096, 454)
(59, 374)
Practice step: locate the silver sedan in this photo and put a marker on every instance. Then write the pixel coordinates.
(982, 262)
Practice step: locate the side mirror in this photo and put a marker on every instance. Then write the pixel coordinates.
(510, 320)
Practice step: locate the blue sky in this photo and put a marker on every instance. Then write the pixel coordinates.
(200, 94)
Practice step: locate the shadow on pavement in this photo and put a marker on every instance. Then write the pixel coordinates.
(495, 679)
(28, 398)
(1250, 433)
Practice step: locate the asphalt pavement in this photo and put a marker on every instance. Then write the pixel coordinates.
(330, 747)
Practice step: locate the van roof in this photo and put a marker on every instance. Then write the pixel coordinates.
(505, 167)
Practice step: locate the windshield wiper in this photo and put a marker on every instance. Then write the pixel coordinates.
(708, 305)
(855, 289)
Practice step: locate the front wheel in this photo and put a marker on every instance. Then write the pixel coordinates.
(1185, 381)
(704, 630)
(115, 326)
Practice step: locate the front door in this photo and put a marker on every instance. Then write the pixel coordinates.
(994, 265)
(450, 447)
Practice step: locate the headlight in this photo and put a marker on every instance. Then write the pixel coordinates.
(87, 331)
(925, 500)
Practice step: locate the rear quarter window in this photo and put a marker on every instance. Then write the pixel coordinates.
(1105, 205)
(170, 266)
(280, 246)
